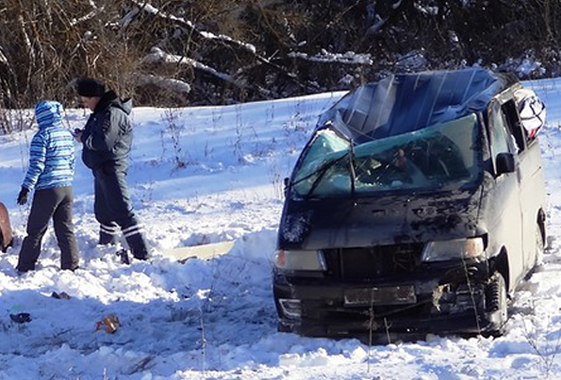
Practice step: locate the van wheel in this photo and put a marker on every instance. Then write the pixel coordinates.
(496, 304)
(540, 246)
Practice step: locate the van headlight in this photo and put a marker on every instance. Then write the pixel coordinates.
(300, 260)
(467, 248)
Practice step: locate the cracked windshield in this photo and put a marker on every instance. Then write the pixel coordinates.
(440, 156)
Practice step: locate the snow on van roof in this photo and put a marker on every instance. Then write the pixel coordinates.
(403, 103)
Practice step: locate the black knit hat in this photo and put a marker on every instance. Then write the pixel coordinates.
(90, 87)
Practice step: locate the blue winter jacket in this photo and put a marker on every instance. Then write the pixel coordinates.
(51, 159)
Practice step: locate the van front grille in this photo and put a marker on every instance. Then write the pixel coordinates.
(373, 263)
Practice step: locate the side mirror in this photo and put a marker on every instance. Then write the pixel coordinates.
(505, 163)
(286, 182)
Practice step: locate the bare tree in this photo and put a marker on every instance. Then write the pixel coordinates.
(177, 52)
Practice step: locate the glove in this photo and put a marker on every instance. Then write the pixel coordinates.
(22, 197)
(78, 134)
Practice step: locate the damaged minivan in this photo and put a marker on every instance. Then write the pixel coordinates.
(417, 207)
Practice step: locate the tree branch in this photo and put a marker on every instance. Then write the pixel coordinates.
(158, 55)
(174, 85)
(94, 12)
(146, 7)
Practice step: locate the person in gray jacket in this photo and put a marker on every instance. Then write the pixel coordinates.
(107, 140)
(50, 173)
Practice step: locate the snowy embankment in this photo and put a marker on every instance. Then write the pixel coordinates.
(209, 174)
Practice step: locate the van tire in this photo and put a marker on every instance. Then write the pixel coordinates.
(540, 246)
(496, 301)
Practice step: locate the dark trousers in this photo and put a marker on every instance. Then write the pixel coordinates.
(55, 203)
(113, 210)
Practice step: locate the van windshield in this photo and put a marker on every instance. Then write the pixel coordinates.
(441, 156)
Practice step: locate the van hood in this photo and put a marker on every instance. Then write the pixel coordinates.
(379, 220)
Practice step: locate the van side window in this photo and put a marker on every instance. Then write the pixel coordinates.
(513, 123)
(499, 136)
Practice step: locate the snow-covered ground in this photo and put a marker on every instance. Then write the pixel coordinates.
(210, 174)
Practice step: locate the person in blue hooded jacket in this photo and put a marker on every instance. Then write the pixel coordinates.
(50, 174)
(107, 140)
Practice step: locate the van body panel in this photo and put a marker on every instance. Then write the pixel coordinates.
(533, 199)
(381, 220)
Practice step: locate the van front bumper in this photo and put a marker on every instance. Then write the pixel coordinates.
(441, 300)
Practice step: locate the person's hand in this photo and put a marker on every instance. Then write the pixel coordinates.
(22, 197)
(78, 134)
(400, 159)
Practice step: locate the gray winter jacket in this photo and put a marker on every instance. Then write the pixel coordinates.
(107, 136)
